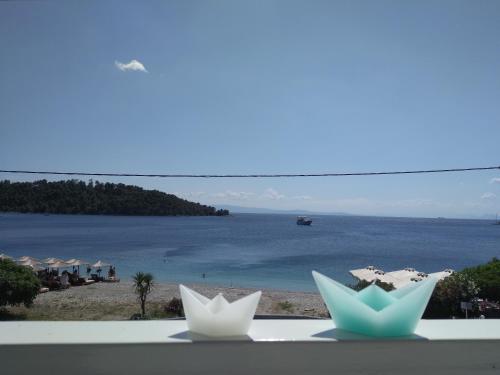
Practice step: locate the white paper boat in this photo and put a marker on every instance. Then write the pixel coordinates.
(217, 316)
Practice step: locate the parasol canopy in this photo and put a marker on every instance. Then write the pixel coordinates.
(78, 262)
(37, 268)
(100, 264)
(52, 260)
(31, 263)
(5, 256)
(59, 265)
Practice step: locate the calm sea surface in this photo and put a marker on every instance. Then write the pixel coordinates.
(268, 251)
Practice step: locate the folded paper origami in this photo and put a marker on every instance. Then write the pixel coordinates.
(373, 311)
(218, 317)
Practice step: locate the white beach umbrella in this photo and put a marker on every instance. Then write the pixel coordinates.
(59, 265)
(79, 262)
(25, 258)
(100, 264)
(30, 263)
(36, 267)
(71, 261)
(52, 260)
(5, 256)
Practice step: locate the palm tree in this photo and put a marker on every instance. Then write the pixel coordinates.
(143, 284)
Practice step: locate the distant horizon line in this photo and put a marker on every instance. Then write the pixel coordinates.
(277, 212)
(272, 211)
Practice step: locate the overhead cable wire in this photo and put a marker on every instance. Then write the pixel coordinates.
(276, 175)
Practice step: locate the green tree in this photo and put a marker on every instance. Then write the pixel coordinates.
(18, 284)
(78, 197)
(143, 285)
(487, 278)
(446, 298)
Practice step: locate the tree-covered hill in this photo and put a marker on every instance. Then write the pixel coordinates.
(78, 197)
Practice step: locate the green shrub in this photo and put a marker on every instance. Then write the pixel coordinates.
(286, 305)
(174, 307)
(18, 284)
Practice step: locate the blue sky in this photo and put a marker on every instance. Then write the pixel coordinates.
(260, 87)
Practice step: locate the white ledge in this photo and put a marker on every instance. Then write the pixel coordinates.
(176, 331)
(292, 347)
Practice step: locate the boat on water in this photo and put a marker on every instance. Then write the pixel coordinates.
(303, 220)
(497, 222)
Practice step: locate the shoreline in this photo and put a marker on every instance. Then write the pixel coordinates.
(117, 301)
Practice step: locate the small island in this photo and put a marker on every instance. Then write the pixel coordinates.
(95, 198)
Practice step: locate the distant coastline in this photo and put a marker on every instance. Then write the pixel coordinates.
(270, 211)
(95, 198)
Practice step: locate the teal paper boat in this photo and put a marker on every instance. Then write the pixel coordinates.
(373, 311)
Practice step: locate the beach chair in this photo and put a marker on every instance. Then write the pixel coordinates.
(96, 277)
(111, 279)
(54, 285)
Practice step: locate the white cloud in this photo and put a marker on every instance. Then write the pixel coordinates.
(302, 197)
(190, 194)
(488, 196)
(272, 194)
(234, 195)
(419, 202)
(133, 65)
(495, 180)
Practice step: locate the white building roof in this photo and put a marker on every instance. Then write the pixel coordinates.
(398, 278)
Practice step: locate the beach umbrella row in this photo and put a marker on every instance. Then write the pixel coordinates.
(77, 262)
(54, 262)
(59, 265)
(35, 265)
(26, 258)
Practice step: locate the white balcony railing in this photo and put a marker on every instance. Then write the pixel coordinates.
(272, 346)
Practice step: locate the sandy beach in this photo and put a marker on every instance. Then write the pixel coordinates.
(117, 301)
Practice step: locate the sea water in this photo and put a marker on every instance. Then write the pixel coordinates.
(251, 250)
